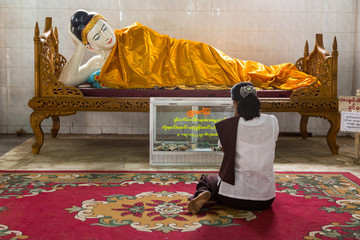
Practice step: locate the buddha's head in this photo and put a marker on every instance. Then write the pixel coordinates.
(92, 30)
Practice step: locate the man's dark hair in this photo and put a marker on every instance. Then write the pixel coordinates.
(247, 107)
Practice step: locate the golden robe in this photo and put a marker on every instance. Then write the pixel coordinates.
(143, 58)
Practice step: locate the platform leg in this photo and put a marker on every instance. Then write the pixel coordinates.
(56, 125)
(35, 121)
(303, 125)
(334, 120)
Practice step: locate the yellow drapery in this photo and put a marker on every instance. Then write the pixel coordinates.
(143, 58)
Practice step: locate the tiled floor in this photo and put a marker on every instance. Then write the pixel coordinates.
(9, 141)
(131, 152)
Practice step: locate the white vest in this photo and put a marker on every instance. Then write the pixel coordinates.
(254, 160)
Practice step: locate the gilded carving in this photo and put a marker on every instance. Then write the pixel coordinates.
(271, 105)
(299, 64)
(322, 88)
(36, 118)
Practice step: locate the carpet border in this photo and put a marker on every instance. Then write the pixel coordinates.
(347, 174)
(165, 171)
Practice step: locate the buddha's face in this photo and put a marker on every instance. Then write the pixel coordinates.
(101, 36)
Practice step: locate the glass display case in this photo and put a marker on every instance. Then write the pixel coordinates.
(182, 130)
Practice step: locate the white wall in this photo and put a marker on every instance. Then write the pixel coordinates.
(268, 31)
(356, 79)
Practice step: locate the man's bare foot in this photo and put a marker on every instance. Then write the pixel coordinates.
(197, 203)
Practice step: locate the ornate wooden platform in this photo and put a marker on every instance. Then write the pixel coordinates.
(54, 99)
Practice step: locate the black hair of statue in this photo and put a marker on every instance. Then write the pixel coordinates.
(79, 20)
(249, 107)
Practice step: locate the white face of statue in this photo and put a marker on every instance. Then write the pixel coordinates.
(101, 36)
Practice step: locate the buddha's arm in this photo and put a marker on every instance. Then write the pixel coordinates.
(73, 74)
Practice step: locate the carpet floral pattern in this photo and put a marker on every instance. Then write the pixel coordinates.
(150, 211)
(102, 204)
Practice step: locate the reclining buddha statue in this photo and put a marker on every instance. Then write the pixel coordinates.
(139, 57)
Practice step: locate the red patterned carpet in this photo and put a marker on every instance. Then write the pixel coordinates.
(153, 205)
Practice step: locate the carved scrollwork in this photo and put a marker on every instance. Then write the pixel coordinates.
(50, 85)
(314, 64)
(325, 76)
(322, 87)
(299, 64)
(271, 105)
(91, 104)
(62, 62)
(48, 50)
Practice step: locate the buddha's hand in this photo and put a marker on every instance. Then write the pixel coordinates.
(76, 41)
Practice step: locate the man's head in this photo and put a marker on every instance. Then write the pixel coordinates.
(246, 102)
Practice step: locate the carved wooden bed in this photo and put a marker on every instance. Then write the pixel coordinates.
(54, 99)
